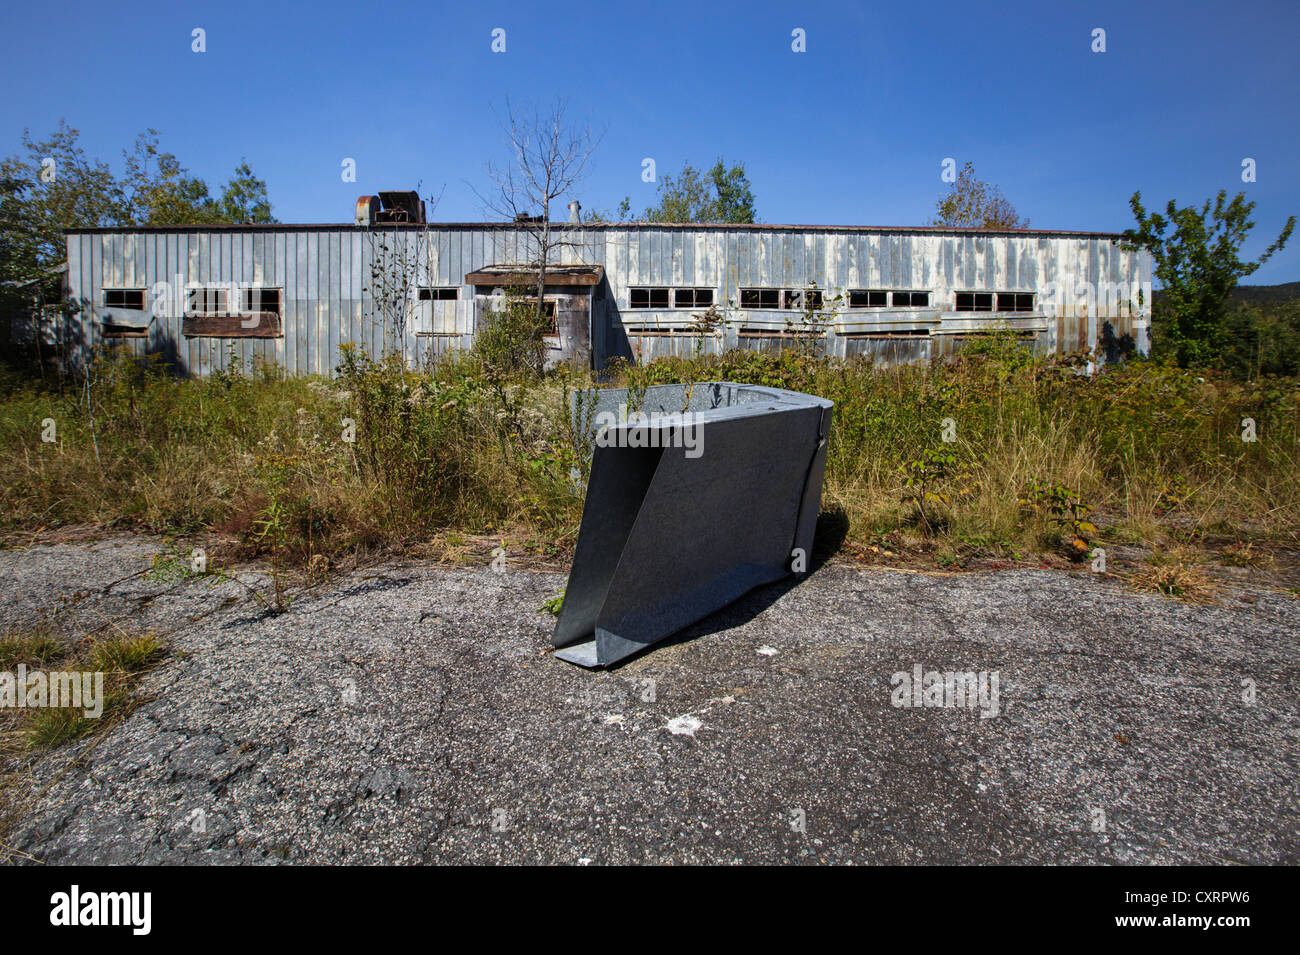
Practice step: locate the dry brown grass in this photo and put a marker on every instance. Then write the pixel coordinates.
(1178, 573)
(123, 657)
(256, 460)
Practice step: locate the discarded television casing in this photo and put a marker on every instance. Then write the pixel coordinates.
(700, 494)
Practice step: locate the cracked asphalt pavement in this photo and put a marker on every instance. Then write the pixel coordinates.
(411, 714)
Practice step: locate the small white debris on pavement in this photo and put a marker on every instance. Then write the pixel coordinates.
(685, 725)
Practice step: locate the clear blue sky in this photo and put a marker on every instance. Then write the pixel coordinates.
(852, 131)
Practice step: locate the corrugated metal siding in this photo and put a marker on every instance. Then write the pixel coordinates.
(325, 273)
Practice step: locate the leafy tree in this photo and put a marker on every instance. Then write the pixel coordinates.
(17, 247)
(51, 185)
(1195, 252)
(621, 214)
(971, 203)
(17, 234)
(735, 197)
(57, 187)
(160, 191)
(720, 195)
(1263, 339)
(244, 197)
(54, 185)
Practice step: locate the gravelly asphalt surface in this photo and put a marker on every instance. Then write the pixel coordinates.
(464, 741)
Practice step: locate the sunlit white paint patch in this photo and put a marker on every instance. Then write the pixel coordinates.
(766, 651)
(684, 725)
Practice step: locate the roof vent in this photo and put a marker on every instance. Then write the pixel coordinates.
(367, 209)
(390, 207)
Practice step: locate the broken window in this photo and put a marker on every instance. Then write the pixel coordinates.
(124, 298)
(552, 329)
(911, 299)
(438, 294)
(801, 298)
(760, 298)
(867, 298)
(217, 301)
(647, 298)
(665, 331)
(262, 300)
(1015, 301)
(974, 301)
(209, 301)
(692, 297)
(120, 326)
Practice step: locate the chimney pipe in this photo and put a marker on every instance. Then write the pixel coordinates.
(575, 211)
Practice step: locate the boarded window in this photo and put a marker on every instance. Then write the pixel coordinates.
(692, 297)
(974, 301)
(755, 331)
(911, 299)
(1015, 301)
(889, 333)
(233, 312)
(124, 298)
(438, 316)
(648, 298)
(760, 298)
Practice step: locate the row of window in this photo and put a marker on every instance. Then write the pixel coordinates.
(879, 298)
(1006, 301)
(204, 301)
(662, 297)
(787, 298)
(798, 299)
(216, 300)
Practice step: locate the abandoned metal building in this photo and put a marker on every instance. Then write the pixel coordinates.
(205, 297)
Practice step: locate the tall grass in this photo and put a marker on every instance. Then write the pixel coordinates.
(265, 459)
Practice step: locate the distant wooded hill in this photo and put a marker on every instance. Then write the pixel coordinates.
(1286, 292)
(1258, 294)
